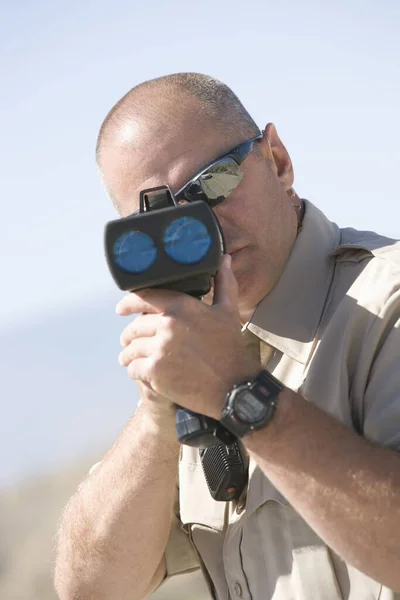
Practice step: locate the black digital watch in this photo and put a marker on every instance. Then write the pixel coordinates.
(250, 405)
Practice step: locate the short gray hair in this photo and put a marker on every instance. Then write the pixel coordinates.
(217, 101)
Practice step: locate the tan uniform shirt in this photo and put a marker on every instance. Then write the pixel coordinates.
(330, 329)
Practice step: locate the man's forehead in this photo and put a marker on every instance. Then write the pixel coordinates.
(135, 164)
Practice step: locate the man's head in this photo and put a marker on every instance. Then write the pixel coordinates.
(167, 129)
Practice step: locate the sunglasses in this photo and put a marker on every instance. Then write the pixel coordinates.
(215, 182)
(212, 184)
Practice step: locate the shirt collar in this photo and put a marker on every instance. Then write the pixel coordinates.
(288, 317)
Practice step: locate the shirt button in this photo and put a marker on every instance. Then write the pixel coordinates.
(237, 588)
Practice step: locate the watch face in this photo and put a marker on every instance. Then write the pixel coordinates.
(248, 409)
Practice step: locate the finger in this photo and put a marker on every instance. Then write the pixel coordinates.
(138, 348)
(139, 369)
(149, 300)
(226, 288)
(141, 326)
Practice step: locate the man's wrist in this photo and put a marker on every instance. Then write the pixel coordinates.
(158, 419)
(251, 404)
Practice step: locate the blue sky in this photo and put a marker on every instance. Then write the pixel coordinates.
(327, 74)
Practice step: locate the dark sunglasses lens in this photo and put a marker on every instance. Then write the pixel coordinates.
(215, 184)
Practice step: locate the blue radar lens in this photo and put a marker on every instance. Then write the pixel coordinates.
(134, 252)
(186, 240)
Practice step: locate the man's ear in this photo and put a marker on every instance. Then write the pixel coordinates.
(273, 150)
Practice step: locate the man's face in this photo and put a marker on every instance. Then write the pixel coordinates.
(257, 219)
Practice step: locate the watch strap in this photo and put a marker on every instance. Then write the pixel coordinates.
(270, 385)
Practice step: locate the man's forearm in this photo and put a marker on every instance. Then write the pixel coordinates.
(346, 488)
(115, 529)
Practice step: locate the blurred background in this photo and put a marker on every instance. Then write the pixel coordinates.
(327, 74)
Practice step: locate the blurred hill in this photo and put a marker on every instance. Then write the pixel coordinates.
(28, 521)
(28, 517)
(62, 390)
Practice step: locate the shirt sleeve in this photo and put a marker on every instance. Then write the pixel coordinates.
(382, 395)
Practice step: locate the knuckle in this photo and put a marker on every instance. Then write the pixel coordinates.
(126, 335)
(163, 346)
(167, 336)
(155, 361)
(156, 366)
(123, 340)
(129, 333)
(131, 370)
(124, 359)
(168, 331)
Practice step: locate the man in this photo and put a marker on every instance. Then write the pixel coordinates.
(317, 308)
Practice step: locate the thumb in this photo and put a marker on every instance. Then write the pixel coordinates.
(226, 288)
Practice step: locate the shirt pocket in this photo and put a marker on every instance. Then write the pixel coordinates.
(316, 571)
(294, 561)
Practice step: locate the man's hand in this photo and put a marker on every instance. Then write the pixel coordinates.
(182, 349)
